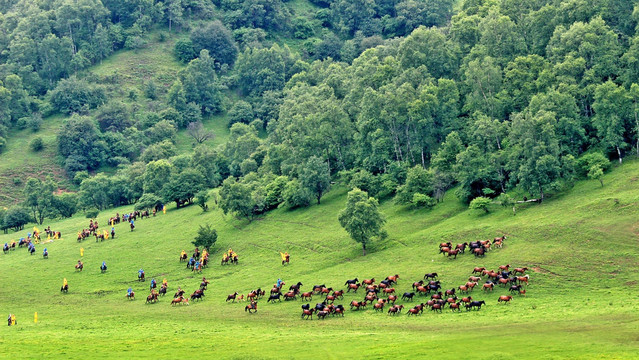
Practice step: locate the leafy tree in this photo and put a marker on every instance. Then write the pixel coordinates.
(94, 192)
(218, 40)
(39, 198)
(182, 188)
(611, 107)
(113, 116)
(242, 112)
(148, 201)
(418, 181)
(66, 204)
(72, 95)
(184, 50)
(16, 217)
(201, 199)
(201, 84)
(315, 176)
(588, 161)
(156, 175)
(162, 150)
(80, 137)
(596, 173)
(361, 218)
(535, 158)
(206, 237)
(295, 195)
(235, 198)
(480, 203)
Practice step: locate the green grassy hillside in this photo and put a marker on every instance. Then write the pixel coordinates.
(581, 302)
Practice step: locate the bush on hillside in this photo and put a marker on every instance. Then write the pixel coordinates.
(36, 144)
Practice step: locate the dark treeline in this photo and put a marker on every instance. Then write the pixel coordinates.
(397, 98)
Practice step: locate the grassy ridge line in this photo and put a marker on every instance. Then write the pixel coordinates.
(584, 244)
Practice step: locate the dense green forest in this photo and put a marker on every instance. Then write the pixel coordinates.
(403, 99)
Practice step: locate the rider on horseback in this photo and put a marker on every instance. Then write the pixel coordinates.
(103, 267)
(45, 253)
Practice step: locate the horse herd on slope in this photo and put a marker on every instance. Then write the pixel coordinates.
(383, 296)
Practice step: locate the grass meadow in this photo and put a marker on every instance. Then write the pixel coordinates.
(582, 301)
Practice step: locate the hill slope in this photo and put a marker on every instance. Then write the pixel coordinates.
(580, 303)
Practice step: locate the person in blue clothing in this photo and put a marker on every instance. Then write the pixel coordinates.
(129, 291)
(141, 275)
(112, 232)
(153, 283)
(103, 267)
(279, 283)
(45, 253)
(196, 266)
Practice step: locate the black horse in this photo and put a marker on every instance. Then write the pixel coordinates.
(274, 297)
(475, 304)
(64, 288)
(353, 281)
(408, 296)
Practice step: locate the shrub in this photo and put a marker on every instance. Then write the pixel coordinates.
(35, 122)
(92, 213)
(421, 201)
(480, 203)
(36, 144)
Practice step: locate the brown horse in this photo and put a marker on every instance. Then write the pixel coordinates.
(330, 298)
(389, 291)
(232, 297)
(307, 295)
(176, 301)
(393, 278)
(291, 295)
(479, 270)
(455, 306)
(504, 267)
(467, 299)
(453, 253)
(413, 311)
(251, 308)
(357, 305)
(505, 298)
(338, 294)
(379, 307)
(395, 309)
(523, 279)
(521, 270)
(489, 286)
(369, 281)
(353, 287)
(463, 289)
(392, 299)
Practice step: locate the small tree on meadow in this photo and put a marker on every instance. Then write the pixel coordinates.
(206, 237)
(361, 218)
(480, 203)
(596, 173)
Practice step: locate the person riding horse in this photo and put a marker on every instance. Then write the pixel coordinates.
(141, 275)
(153, 284)
(103, 267)
(45, 253)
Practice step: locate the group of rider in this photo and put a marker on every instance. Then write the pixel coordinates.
(197, 261)
(230, 255)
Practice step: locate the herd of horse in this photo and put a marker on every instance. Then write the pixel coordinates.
(384, 295)
(478, 248)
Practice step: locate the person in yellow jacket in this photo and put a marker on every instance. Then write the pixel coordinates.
(165, 283)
